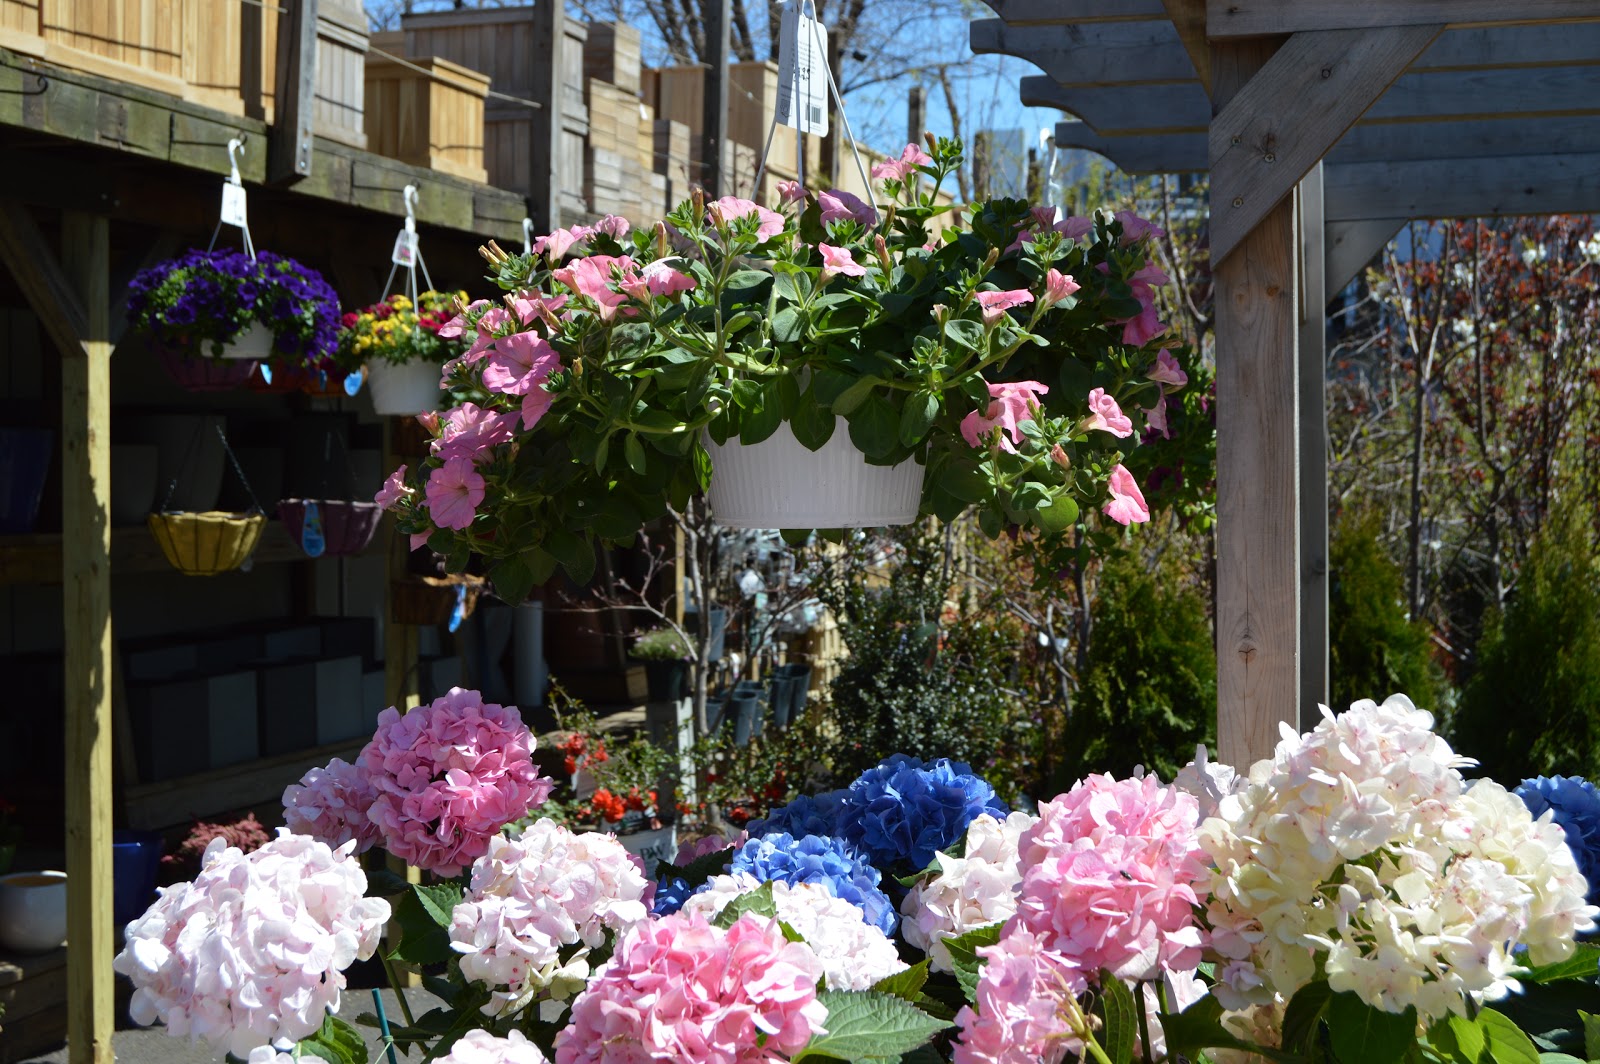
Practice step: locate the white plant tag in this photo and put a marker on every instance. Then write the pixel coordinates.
(233, 205)
(802, 72)
(405, 248)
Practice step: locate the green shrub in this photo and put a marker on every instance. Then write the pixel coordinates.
(1374, 649)
(1149, 693)
(1532, 706)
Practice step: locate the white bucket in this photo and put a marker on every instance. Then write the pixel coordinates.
(33, 911)
(411, 388)
(777, 483)
(254, 343)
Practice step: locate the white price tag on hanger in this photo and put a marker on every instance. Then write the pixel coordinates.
(405, 248)
(233, 205)
(802, 72)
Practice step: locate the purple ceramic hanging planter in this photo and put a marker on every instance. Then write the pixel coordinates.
(336, 527)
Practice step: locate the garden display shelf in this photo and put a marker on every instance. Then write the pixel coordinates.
(168, 802)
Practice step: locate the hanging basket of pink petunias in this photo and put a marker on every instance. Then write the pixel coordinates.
(831, 363)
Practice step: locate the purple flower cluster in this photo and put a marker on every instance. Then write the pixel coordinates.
(204, 299)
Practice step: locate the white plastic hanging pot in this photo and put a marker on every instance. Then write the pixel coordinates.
(777, 483)
(254, 344)
(411, 388)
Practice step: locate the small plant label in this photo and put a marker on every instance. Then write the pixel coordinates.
(233, 205)
(311, 539)
(405, 248)
(802, 72)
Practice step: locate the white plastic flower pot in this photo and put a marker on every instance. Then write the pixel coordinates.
(412, 388)
(33, 911)
(779, 484)
(254, 344)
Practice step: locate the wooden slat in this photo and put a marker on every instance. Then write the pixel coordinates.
(169, 802)
(1258, 520)
(1189, 20)
(1095, 53)
(1057, 12)
(545, 124)
(1253, 18)
(1125, 109)
(1459, 188)
(294, 103)
(1291, 112)
(1313, 466)
(1349, 246)
(87, 647)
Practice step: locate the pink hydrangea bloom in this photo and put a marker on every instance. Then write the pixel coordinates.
(1019, 1018)
(1109, 876)
(995, 304)
(454, 491)
(1166, 371)
(971, 891)
(1105, 416)
(837, 261)
(1126, 505)
(901, 168)
(469, 430)
(481, 1047)
(330, 805)
(837, 204)
(678, 989)
(732, 207)
(394, 489)
(449, 776)
(253, 951)
(1010, 404)
(519, 363)
(591, 277)
(531, 895)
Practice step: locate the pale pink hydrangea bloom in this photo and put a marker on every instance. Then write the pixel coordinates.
(855, 955)
(454, 491)
(1109, 876)
(1010, 404)
(253, 951)
(971, 891)
(330, 805)
(1019, 1017)
(837, 204)
(839, 261)
(1105, 416)
(449, 775)
(520, 363)
(1126, 505)
(678, 989)
(733, 207)
(530, 895)
(1209, 781)
(394, 489)
(481, 1047)
(281, 1053)
(995, 304)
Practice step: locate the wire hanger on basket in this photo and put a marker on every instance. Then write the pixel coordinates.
(234, 206)
(407, 252)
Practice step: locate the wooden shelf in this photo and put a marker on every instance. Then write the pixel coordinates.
(177, 801)
(36, 559)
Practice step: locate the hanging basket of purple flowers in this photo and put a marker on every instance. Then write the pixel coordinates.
(211, 307)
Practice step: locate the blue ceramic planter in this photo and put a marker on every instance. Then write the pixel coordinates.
(24, 463)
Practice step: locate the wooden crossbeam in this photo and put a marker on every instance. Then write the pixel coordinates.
(1057, 12)
(1458, 188)
(1120, 110)
(1273, 131)
(1349, 246)
(36, 270)
(1189, 20)
(1227, 19)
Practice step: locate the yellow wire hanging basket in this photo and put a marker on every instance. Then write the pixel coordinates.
(205, 544)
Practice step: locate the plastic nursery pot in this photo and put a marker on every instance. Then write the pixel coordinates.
(665, 679)
(411, 388)
(252, 345)
(205, 544)
(800, 691)
(429, 600)
(781, 697)
(135, 860)
(195, 373)
(347, 527)
(777, 483)
(719, 630)
(24, 463)
(33, 911)
(744, 706)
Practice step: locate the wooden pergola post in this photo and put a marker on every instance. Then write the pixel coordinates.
(1312, 359)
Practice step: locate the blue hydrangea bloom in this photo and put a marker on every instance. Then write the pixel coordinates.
(1575, 805)
(670, 896)
(902, 811)
(806, 815)
(831, 862)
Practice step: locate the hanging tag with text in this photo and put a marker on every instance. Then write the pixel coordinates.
(233, 205)
(802, 72)
(405, 248)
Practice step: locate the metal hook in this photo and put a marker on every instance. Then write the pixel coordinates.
(235, 149)
(44, 86)
(527, 236)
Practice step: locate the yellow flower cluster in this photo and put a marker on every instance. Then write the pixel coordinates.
(392, 329)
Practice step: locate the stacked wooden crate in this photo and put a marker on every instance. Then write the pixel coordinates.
(427, 111)
(620, 167)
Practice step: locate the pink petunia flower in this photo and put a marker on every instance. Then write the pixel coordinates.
(469, 431)
(1105, 416)
(1058, 286)
(448, 776)
(1010, 404)
(394, 489)
(458, 325)
(419, 540)
(679, 989)
(536, 306)
(519, 363)
(591, 277)
(837, 204)
(1135, 228)
(490, 324)
(732, 207)
(901, 168)
(614, 226)
(659, 278)
(1166, 371)
(1155, 417)
(454, 491)
(838, 261)
(1126, 505)
(995, 304)
(535, 405)
(1075, 228)
(556, 245)
(1146, 325)
(791, 192)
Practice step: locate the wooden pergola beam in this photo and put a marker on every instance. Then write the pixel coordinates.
(1349, 246)
(1100, 53)
(1058, 12)
(289, 144)
(1229, 19)
(1462, 188)
(1189, 22)
(45, 285)
(1276, 128)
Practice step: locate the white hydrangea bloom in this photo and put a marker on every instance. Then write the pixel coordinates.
(855, 955)
(1209, 781)
(252, 953)
(1449, 879)
(969, 892)
(531, 895)
(481, 1047)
